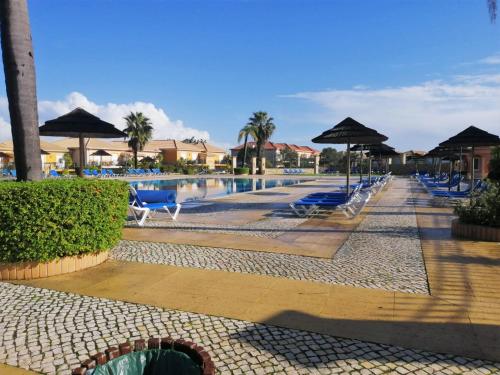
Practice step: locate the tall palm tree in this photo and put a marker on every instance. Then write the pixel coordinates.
(20, 82)
(245, 132)
(264, 129)
(139, 130)
(492, 7)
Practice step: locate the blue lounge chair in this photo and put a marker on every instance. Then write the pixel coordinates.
(455, 181)
(143, 202)
(478, 186)
(314, 203)
(13, 173)
(53, 173)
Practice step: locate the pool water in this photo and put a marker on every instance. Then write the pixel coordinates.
(192, 189)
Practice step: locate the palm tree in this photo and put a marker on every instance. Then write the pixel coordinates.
(139, 130)
(20, 82)
(264, 129)
(247, 130)
(492, 7)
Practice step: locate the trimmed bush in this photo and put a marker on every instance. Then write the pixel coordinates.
(242, 170)
(483, 208)
(46, 220)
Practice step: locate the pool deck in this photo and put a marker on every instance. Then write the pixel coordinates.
(319, 237)
(460, 316)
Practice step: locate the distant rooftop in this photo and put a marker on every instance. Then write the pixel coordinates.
(280, 146)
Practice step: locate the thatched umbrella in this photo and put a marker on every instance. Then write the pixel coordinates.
(350, 131)
(80, 124)
(148, 159)
(100, 153)
(444, 153)
(383, 150)
(472, 137)
(380, 149)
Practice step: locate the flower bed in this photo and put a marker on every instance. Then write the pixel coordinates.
(474, 232)
(479, 217)
(37, 270)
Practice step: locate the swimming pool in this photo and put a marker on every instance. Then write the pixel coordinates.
(191, 189)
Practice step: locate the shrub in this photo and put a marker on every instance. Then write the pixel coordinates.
(49, 219)
(242, 170)
(494, 173)
(483, 208)
(189, 170)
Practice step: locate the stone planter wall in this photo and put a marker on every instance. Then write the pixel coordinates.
(474, 232)
(36, 270)
(194, 351)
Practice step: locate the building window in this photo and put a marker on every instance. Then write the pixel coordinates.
(477, 163)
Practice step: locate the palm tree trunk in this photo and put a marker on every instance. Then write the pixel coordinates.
(259, 158)
(135, 158)
(19, 67)
(245, 151)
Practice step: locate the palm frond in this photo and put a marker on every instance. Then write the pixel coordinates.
(492, 8)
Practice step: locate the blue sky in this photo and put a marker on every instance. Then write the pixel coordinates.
(418, 71)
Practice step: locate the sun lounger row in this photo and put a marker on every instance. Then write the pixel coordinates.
(449, 189)
(144, 172)
(9, 173)
(316, 203)
(143, 203)
(350, 205)
(293, 171)
(478, 187)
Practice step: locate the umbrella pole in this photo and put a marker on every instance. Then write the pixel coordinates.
(451, 173)
(472, 169)
(370, 170)
(82, 155)
(348, 167)
(361, 165)
(459, 169)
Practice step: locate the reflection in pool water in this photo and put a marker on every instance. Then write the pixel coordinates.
(189, 189)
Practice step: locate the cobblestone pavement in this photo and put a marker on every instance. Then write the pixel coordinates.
(51, 332)
(267, 228)
(383, 252)
(385, 248)
(263, 263)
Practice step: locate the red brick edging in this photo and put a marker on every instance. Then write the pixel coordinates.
(474, 232)
(37, 270)
(194, 351)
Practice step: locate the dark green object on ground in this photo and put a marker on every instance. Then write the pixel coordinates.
(241, 170)
(150, 362)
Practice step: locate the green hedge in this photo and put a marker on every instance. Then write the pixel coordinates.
(241, 170)
(483, 208)
(46, 220)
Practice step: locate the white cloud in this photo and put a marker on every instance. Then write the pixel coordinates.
(114, 113)
(491, 60)
(418, 116)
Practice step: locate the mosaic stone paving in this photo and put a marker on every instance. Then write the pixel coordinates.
(51, 332)
(385, 247)
(343, 271)
(267, 228)
(383, 252)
